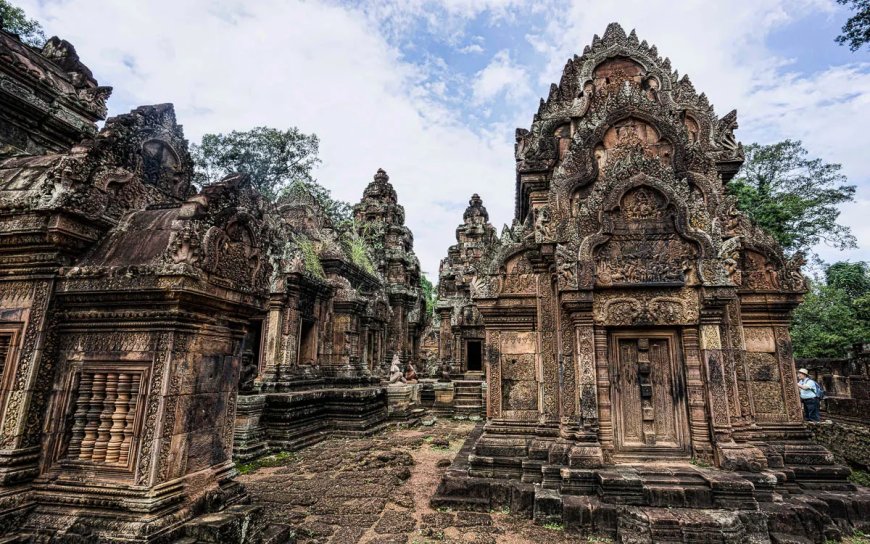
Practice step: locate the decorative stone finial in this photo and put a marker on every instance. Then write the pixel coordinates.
(614, 32)
(475, 209)
(381, 176)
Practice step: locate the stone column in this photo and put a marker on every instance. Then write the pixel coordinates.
(549, 378)
(699, 428)
(28, 372)
(492, 360)
(274, 330)
(714, 368)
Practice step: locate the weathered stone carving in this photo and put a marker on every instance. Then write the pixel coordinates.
(136, 309)
(396, 374)
(669, 304)
(380, 220)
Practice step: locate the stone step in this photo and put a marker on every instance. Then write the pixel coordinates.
(548, 506)
(237, 524)
(679, 496)
(278, 534)
(652, 524)
(780, 538)
(471, 504)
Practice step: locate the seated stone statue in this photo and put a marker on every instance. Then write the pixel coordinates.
(396, 376)
(445, 372)
(411, 373)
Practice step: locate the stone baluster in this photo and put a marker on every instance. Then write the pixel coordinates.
(119, 419)
(129, 419)
(102, 443)
(95, 407)
(83, 399)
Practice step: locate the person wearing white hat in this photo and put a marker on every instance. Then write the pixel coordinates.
(809, 391)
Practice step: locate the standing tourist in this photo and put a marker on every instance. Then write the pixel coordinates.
(809, 391)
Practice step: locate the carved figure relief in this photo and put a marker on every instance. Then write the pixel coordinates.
(759, 272)
(629, 135)
(645, 247)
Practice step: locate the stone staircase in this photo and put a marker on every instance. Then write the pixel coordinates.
(468, 398)
(664, 501)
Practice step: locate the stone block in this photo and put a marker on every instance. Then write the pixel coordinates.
(522, 499)
(548, 505)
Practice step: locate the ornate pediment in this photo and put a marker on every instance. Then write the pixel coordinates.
(644, 247)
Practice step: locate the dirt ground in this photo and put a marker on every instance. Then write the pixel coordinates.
(377, 490)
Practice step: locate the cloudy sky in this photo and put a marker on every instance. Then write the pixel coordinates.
(432, 91)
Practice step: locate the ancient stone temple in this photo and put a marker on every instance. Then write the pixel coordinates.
(461, 333)
(152, 334)
(636, 326)
(626, 338)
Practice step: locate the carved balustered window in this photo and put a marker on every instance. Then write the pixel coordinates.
(105, 405)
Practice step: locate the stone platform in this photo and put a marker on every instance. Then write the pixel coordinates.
(293, 420)
(670, 502)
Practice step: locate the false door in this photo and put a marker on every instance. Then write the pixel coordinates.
(649, 416)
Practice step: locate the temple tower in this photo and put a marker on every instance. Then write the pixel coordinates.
(632, 314)
(380, 220)
(461, 332)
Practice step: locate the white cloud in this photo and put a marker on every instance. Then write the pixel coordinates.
(471, 48)
(501, 76)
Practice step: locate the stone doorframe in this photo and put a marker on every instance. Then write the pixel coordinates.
(676, 369)
(698, 426)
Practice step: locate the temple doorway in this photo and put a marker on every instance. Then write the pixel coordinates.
(307, 342)
(474, 352)
(647, 385)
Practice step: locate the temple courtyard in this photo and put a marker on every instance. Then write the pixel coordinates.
(377, 490)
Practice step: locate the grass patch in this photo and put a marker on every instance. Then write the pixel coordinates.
(359, 254)
(699, 463)
(858, 537)
(310, 256)
(554, 526)
(275, 460)
(601, 539)
(860, 477)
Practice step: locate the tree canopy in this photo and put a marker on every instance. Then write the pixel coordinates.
(856, 31)
(275, 160)
(793, 197)
(15, 21)
(835, 313)
(429, 294)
